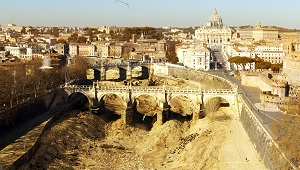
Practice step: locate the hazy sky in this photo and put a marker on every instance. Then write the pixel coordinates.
(155, 13)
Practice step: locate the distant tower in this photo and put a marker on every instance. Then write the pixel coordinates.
(134, 38)
(258, 25)
(142, 36)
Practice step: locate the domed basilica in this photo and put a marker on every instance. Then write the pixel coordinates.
(214, 33)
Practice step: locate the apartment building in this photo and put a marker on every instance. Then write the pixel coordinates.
(258, 33)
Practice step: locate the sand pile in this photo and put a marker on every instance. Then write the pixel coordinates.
(87, 141)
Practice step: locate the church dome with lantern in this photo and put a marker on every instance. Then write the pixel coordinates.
(214, 33)
(215, 20)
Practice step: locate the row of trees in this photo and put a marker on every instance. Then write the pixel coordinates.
(121, 35)
(259, 63)
(24, 80)
(52, 31)
(76, 39)
(149, 32)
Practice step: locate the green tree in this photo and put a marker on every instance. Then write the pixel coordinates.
(189, 30)
(241, 61)
(62, 41)
(172, 58)
(23, 30)
(81, 39)
(33, 31)
(276, 67)
(262, 65)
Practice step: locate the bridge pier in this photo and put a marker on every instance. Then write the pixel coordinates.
(128, 72)
(162, 116)
(127, 115)
(196, 116)
(102, 72)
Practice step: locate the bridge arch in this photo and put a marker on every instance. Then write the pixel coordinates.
(224, 97)
(183, 104)
(146, 107)
(82, 100)
(140, 71)
(112, 102)
(214, 102)
(146, 104)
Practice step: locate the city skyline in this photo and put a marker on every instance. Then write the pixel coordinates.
(154, 13)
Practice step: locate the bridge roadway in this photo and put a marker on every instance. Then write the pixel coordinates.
(162, 95)
(122, 64)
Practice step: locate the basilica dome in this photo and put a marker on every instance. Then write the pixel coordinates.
(215, 21)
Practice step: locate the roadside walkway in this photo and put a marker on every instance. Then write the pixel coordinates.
(238, 151)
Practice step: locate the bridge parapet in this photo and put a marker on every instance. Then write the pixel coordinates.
(123, 64)
(220, 91)
(152, 89)
(80, 87)
(110, 88)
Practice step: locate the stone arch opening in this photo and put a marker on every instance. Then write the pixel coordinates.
(182, 108)
(81, 101)
(146, 108)
(113, 73)
(111, 107)
(213, 104)
(140, 72)
(122, 73)
(136, 72)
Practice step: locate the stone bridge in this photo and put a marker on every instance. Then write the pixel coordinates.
(125, 69)
(162, 95)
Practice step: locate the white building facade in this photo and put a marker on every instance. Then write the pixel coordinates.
(269, 53)
(196, 57)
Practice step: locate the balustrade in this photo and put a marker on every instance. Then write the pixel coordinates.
(151, 89)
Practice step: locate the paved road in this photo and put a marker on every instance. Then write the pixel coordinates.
(250, 94)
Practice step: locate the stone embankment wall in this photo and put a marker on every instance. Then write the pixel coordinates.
(200, 76)
(249, 78)
(15, 155)
(25, 111)
(16, 162)
(266, 147)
